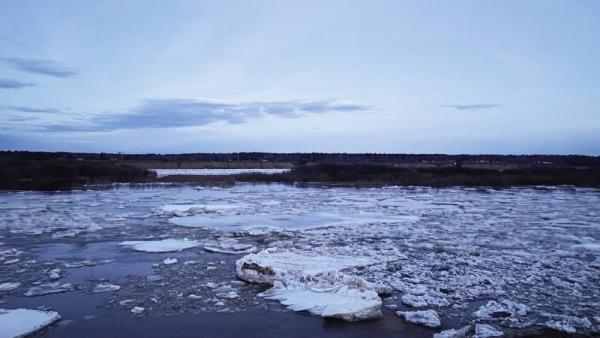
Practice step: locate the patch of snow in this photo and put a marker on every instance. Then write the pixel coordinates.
(165, 245)
(22, 322)
(429, 318)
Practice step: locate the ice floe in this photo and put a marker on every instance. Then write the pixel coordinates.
(230, 246)
(191, 209)
(463, 332)
(22, 322)
(137, 309)
(486, 331)
(270, 265)
(9, 286)
(566, 323)
(312, 283)
(428, 318)
(164, 245)
(48, 288)
(493, 310)
(169, 261)
(105, 287)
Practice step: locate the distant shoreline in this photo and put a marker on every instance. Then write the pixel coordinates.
(64, 171)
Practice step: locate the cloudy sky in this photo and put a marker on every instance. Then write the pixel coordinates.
(282, 76)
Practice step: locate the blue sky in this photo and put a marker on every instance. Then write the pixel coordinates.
(286, 76)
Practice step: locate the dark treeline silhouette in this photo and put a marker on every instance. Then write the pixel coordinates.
(57, 174)
(365, 175)
(316, 158)
(21, 170)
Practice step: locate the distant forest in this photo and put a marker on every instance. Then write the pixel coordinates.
(318, 158)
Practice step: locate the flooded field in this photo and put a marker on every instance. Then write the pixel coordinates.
(176, 260)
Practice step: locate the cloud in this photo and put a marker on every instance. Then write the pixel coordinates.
(473, 106)
(14, 84)
(25, 109)
(172, 113)
(39, 66)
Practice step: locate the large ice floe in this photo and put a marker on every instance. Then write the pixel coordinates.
(22, 322)
(313, 283)
(164, 245)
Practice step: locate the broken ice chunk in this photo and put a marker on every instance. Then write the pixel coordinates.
(165, 245)
(428, 318)
(312, 282)
(454, 333)
(54, 273)
(500, 310)
(191, 209)
(48, 288)
(22, 322)
(330, 295)
(568, 324)
(169, 261)
(137, 309)
(228, 295)
(424, 300)
(105, 287)
(486, 331)
(9, 286)
(269, 265)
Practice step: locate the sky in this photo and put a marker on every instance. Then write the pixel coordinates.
(506, 77)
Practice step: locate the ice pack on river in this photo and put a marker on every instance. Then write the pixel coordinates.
(418, 262)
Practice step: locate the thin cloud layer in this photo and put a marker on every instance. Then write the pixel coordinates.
(172, 113)
(25, 109)
(14, 84)
(40, 66)
(473, 106)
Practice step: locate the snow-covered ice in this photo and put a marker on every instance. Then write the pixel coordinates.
(486, 331)
(270, 265)
(312, 283)
(493, 310)
(106, 287)
(137, 309)
(48, 288)
(181, 210)
(463, 332)
(9, 286)
(21, 322)
(428, 318)
(164, 245)
(169, 261)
